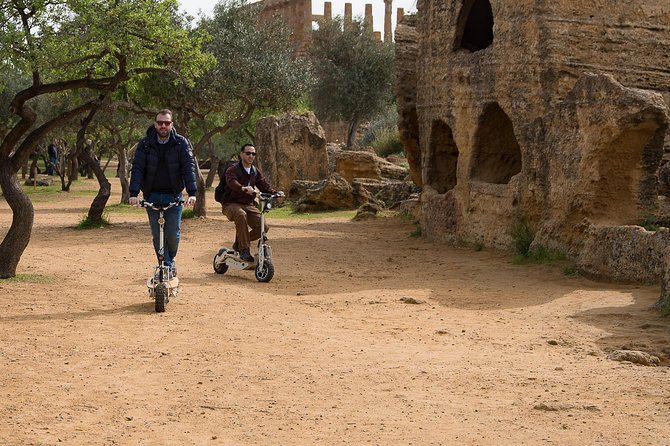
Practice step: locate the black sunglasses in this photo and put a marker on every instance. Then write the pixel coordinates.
(250, 153)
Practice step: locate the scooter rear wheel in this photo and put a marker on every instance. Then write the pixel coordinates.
(161, 297)
(219, 268)
(266, 272)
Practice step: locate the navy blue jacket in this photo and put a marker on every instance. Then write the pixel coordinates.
(179, 160)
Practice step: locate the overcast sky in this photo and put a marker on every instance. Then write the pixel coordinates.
(358, 8)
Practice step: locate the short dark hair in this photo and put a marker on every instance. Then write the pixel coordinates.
(244, 146)
(164, 111)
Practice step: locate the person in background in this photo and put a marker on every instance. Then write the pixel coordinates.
(237, 203)
(52, 154)
(162, 167)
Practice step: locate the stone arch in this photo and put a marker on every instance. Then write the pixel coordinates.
(620, 173)
(496, 155)
(474, 31)
(442, 158)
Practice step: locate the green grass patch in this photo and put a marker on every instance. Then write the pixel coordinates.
(285, 212)
(29, 278)
(522, 237)
(570, 270)
(86, 223)
(652, 223)
(387, 142)
(188, 213)
(416, 232)
(539, 254)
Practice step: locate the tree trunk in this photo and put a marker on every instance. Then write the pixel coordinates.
(200, 207)
(122, 173)
(214, 165)
(17, 238)
(351, 132)
(98, 206)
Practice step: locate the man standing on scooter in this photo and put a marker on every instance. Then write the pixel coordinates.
(162, 167)
(237, 202)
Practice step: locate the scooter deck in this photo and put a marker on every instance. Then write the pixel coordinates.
(232, 258)
(172, 283)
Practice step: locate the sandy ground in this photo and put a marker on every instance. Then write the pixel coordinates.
(329, 352)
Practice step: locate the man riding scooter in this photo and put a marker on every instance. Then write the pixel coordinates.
(237, 202)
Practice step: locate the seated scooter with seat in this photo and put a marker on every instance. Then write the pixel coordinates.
(261, 263)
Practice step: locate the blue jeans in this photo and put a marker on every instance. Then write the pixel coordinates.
(50, 167)
(172, 225)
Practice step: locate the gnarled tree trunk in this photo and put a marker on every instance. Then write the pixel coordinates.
(23, 213)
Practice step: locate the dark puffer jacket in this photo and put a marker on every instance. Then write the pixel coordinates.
(178, 157)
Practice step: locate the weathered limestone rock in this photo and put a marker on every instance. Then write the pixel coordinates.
(390, 192)
(357, 164)
(291, 148)
(407, 37)
(634, 356)
(333, 193)
(554, 113)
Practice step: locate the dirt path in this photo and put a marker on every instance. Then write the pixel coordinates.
(328, 353)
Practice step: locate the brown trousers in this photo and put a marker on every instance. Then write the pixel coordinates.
(245, 216)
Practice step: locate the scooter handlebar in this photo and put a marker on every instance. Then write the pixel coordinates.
(148, 204)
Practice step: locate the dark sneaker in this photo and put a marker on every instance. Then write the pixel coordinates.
(246, 256)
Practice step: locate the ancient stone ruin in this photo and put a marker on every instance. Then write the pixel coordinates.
(294, 155)
(549, 114)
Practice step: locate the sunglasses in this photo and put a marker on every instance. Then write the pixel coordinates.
(163, 123)
(250, 153)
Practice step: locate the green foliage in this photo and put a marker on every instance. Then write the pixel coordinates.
(387, 142)
(522, 237)
(382, 133)
(28, 278)
(570, 270)
(652, 223)
(539, 254)
(287, 212)
(663, 305)
(86, 223)
(255, 66)
(188, 213)
(417, 231)
(354, 72)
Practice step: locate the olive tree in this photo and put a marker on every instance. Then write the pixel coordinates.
(354, 73)
(255, 70)
(85, 46)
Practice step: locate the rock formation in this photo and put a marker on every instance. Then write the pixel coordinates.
(291, 148)
(549, 113)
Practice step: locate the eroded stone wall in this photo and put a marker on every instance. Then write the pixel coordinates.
(550, 113)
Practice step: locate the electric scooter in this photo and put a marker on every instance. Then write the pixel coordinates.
(262, 264)
(162, 284)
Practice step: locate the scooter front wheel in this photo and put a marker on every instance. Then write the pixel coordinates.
(266, 272)
(219, 268)
(161, 297)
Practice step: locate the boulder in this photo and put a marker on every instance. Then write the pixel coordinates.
(291, 148)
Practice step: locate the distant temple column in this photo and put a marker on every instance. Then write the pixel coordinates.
(348, 17)
(368, 17)
(400, 14)
(388, 17)
(328, 10)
